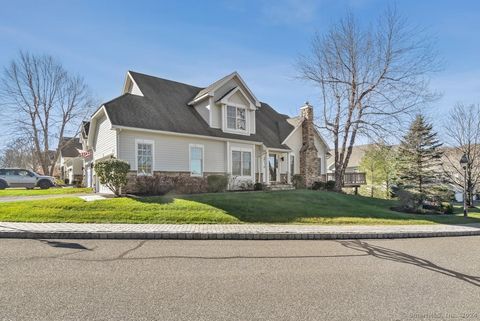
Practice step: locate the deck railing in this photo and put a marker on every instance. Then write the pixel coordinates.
(349, 179)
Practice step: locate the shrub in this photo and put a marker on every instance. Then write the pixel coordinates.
(246, 185)
(78, 180)
(258, 187)
(446, 207)
(59, 182)
(217, 183)
(410, 201)
(318, 185)
(154, 185)
(163, 184)
(330, 185)
(298, 181)
(190, 185)
(112, 173)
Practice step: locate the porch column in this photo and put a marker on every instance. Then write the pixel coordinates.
(267, 171)
(289, 175)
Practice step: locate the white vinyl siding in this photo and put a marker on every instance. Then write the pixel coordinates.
(105, 139)
(295, 144)
(215, 114)
(171, 153)
(203, 109)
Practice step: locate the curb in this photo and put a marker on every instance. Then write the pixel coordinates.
(227, 236)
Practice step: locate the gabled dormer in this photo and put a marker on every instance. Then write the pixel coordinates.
(130, 86)
(228, 104)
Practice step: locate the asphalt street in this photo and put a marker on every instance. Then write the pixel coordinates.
(406, 279)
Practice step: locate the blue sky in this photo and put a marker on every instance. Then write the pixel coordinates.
(198, 42)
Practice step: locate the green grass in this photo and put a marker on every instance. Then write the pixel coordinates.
(301, 207)
(51, 191)
(119, 210)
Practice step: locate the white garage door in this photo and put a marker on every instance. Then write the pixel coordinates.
(101, 188)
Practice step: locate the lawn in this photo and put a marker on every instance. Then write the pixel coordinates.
(301, 207)
(51, 191)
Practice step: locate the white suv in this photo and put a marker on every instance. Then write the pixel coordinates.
(16, 177)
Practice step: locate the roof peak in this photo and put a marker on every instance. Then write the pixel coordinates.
(132, 72)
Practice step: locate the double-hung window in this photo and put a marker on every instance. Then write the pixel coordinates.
(241, 163)
(144, 157)
(236, 118)
(196, 160)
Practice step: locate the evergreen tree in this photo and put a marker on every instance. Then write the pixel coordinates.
(419, 157)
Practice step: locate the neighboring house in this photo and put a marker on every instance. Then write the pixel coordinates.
(453, 172)
(69, 161)
(38, 169)
(163, 127)
(354, 161)
(87, 155)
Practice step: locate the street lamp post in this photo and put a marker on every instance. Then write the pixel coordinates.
(464, 163)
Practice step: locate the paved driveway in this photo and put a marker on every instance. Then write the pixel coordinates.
(408, 279)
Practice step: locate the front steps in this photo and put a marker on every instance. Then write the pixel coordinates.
(280, 187)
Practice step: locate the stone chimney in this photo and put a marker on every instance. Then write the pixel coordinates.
(309, 162)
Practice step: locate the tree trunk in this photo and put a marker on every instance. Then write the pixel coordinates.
(338, 180)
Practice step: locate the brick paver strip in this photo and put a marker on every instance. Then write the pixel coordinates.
(229, 231)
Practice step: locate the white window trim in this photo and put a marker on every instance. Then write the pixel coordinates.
(225, 119)
(144, 141)
(190, 146)
(241, 150)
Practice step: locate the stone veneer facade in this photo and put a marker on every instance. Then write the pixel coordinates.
(309, 162)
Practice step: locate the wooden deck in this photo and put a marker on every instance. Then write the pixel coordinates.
(349, 179)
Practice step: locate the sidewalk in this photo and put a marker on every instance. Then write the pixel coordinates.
(7, 199)
(229, 231)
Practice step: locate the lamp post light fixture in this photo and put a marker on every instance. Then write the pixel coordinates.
(464, 163)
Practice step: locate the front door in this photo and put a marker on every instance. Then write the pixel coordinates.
(273, 167)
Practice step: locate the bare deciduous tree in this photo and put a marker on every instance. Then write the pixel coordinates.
(43, 101)
(369, 79)
(19, 153)
(462, 132)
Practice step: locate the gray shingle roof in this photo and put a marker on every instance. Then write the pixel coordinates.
(210, 87)
(164, 106)
(70, 146)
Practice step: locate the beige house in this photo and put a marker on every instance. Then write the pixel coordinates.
(70, 162)
(163, 127)
(355, 159)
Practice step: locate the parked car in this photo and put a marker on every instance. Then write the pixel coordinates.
(17, 177)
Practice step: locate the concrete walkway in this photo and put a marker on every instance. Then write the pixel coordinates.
(6, 199)
(228, 231)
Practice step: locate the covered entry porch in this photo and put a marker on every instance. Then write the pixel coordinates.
(275, 167)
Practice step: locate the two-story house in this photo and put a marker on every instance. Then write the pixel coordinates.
(163, 127)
